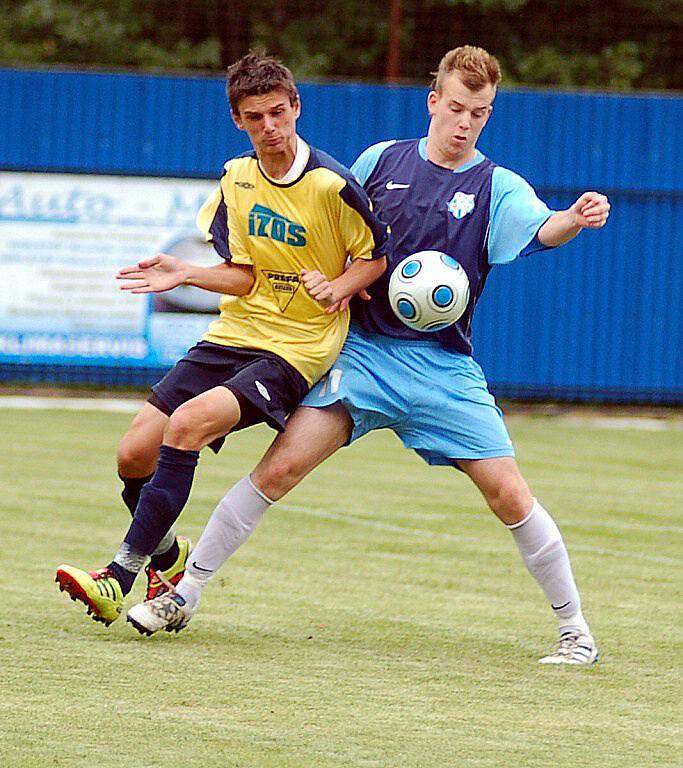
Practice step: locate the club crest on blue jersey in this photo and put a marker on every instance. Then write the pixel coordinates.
(266, 223)
(460, 205)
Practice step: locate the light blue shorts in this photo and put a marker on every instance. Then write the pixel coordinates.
(436, 401)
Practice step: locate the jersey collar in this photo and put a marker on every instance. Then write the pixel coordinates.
(303, 152)
(422, 149)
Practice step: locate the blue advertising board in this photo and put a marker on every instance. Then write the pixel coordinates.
(63, 238)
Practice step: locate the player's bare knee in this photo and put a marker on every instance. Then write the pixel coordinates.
(135, 458)
(511, 500)
(192, 426)
(277, 476)
(273, 479)
(126, 460)
(185, 429)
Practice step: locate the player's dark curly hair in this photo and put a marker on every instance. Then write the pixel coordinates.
(257, 73)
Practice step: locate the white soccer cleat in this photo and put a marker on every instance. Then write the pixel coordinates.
(574, 648)
(168, 611)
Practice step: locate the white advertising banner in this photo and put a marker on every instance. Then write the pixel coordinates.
(63, 237)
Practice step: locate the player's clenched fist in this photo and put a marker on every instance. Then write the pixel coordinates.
(591, 210)
(319, 287)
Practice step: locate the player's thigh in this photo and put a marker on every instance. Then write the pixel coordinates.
(138, 450)
(203, 418)
(311, 436)
(502, 485)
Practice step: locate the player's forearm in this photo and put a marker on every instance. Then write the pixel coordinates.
(359, 275)
(232, 279)
(559, 229)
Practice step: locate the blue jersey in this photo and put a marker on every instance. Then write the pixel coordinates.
(480, 214)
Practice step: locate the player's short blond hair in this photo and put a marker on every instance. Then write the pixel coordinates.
(476, 67)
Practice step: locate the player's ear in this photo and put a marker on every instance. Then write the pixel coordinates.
(296, 105)
(495, 93)
(237, 120)
(432, 98)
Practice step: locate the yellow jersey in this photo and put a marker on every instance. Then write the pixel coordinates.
(316, 222)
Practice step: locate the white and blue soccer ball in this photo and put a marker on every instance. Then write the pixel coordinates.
(429, 291)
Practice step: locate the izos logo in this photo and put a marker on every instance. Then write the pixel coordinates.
(266, 223)
(460, 205)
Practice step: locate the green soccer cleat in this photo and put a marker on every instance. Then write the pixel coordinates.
(98, 590)
(160, 582)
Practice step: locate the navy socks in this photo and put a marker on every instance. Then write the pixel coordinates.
(131, 490)
(132, 486)
(161, 501)
(125, 578)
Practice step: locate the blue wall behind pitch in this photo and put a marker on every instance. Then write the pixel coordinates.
(599, 319)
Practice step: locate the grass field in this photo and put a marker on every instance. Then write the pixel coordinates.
(378, 617)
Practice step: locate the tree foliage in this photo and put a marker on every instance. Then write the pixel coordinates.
(100, 32)
(621, 44)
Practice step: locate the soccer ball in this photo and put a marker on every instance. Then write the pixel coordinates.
(429, 291)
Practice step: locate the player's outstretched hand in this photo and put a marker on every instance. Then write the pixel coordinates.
(155, 275)
(591, 210)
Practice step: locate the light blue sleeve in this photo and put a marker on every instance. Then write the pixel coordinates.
(516, 216)
(368, 159)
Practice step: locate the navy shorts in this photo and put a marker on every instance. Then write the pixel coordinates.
(267, 387)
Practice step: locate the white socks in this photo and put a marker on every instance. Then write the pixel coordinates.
(241, 509)
(545, 555)
(229, 526)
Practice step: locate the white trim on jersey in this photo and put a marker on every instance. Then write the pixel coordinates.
(303, 152)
